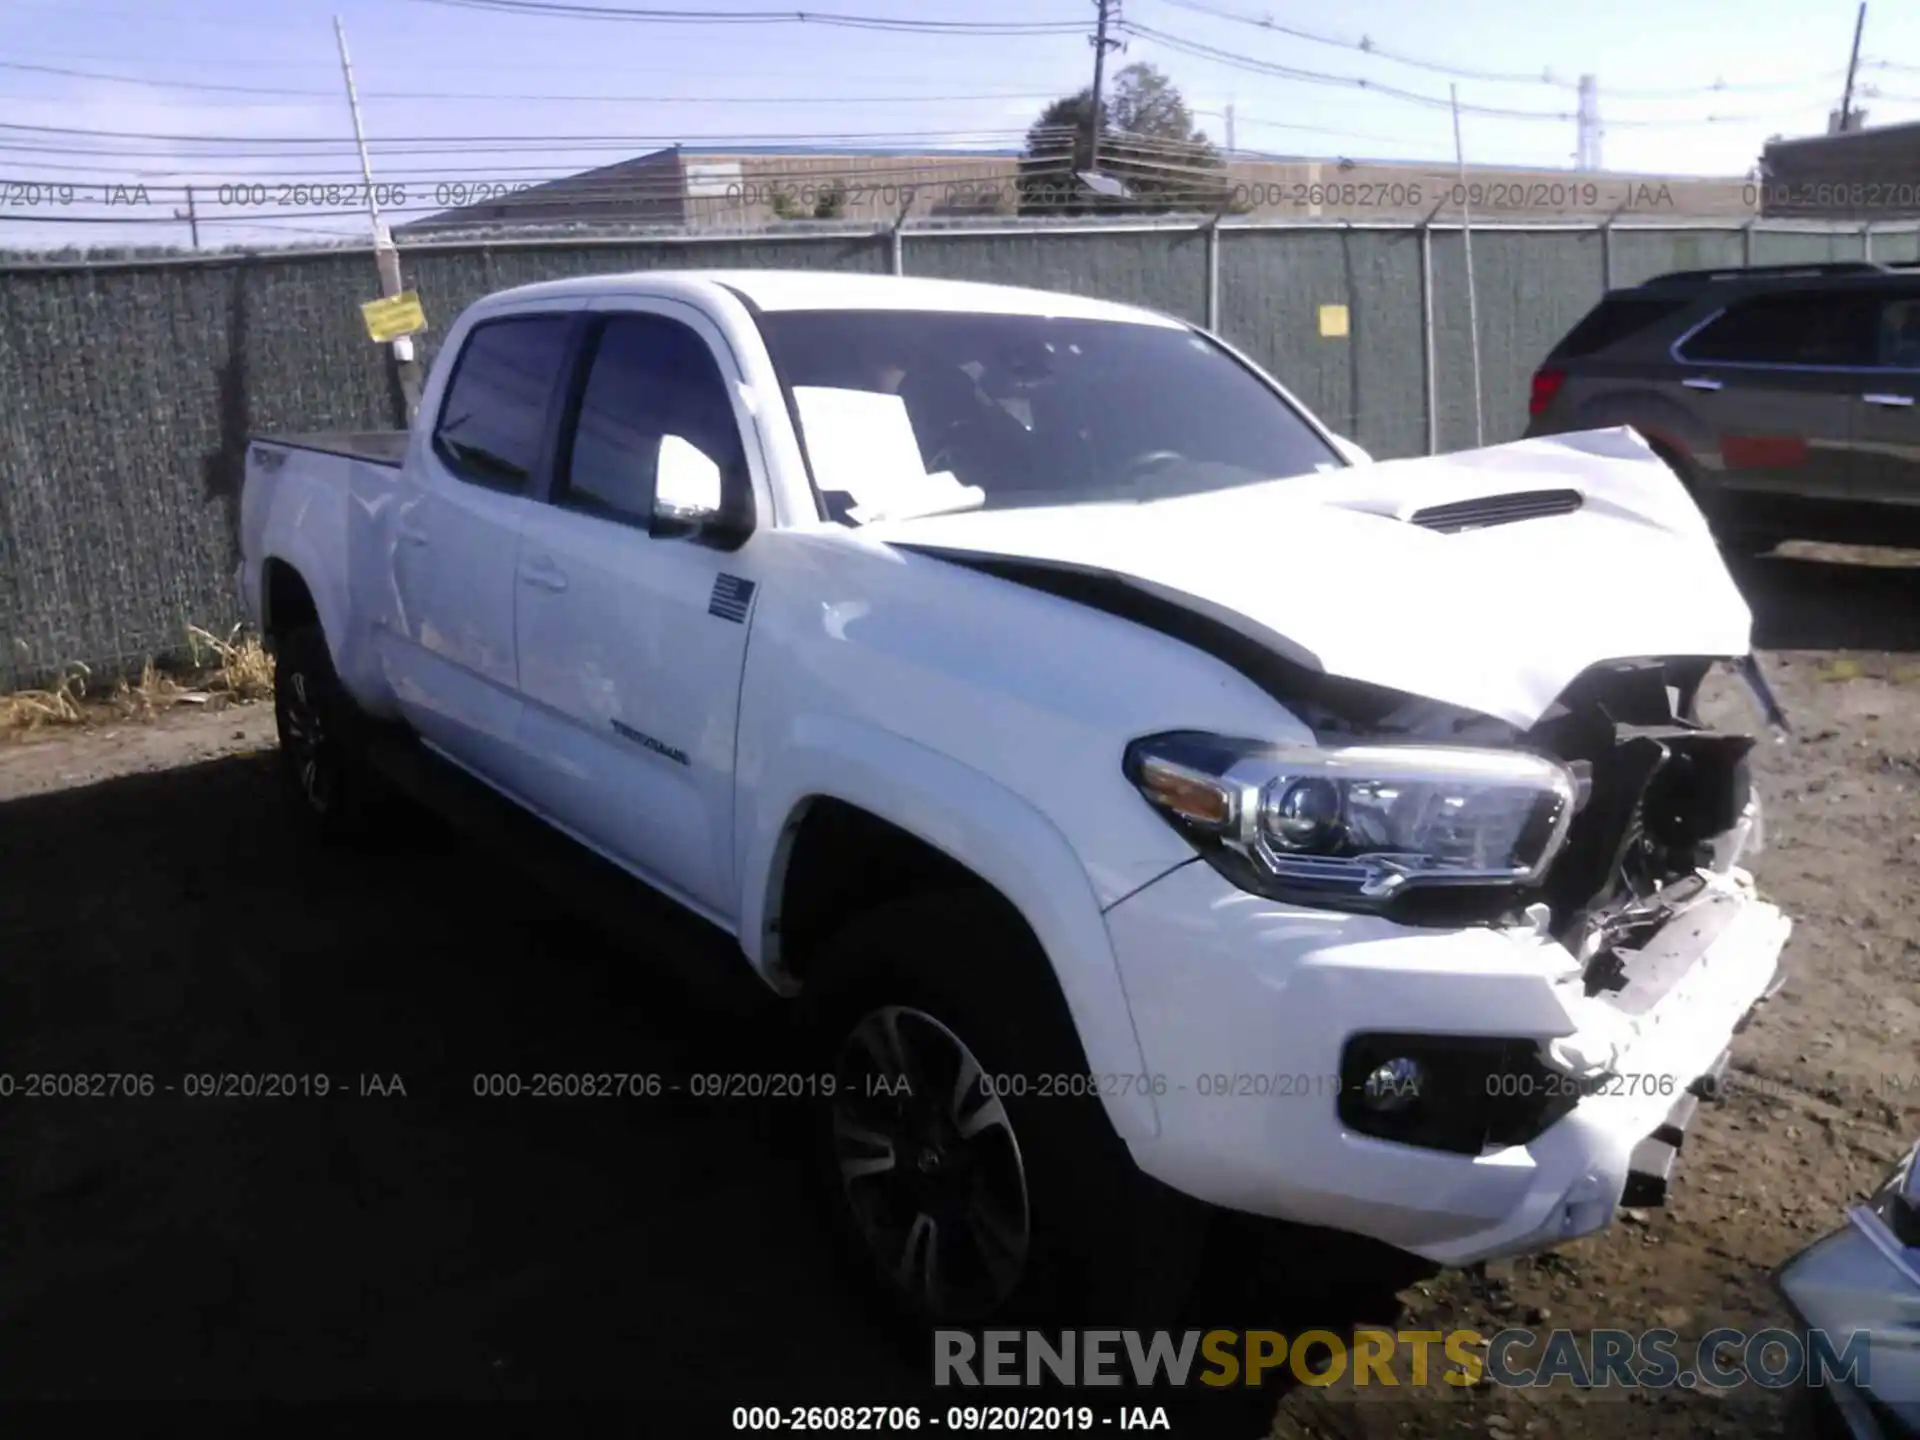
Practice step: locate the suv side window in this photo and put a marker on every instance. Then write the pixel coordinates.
(1900, 332)
(652, 384)
(494, 416)
(1800, 328)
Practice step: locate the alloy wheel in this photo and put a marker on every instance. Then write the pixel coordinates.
(929, 1164)
(304, 734)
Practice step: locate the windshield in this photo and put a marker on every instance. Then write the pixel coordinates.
(915, 412)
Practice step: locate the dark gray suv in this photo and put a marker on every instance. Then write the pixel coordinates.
(1784, 396)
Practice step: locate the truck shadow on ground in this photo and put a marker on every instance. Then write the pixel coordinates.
(400, 1235)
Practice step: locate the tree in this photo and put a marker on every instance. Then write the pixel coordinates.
(831, 203)
(1149, 144)
(828, 203)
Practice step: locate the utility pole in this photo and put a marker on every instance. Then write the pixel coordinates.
(1466, 246)
(386, 258)
(360, 140)
(1230, 144)
(1101, 44)
(192, 217)
(1853, 68)
(1587, 151)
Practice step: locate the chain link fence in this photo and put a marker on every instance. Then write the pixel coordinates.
(128, 389)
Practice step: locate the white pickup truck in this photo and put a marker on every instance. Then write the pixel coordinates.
(1152, 806)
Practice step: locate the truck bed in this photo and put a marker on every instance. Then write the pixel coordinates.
(379, 447)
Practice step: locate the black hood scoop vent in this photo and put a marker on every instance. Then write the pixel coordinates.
(1488, 510)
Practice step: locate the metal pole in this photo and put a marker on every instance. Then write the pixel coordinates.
(1853, 67)
(1466, 245)
(1426, 336)
(192, 217)
(1230, 144)
(359, 133)
(1213, 275)
(1746, 243)
(1100, 43)
(385, 258)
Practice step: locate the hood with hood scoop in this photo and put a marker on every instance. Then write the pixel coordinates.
(1487, 579)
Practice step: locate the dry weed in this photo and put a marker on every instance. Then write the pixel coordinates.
(234, 670)
(58, 704)
(245, 669)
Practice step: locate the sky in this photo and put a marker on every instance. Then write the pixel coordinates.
(455, 93)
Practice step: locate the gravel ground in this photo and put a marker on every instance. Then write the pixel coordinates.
(163, 912)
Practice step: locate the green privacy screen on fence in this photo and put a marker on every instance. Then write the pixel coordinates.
(128, 388)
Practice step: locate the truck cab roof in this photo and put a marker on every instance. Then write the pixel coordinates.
(776, 290)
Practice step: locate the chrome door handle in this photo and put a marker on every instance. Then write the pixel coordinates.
(543, 575)
(1700, 382)
(1900, 402)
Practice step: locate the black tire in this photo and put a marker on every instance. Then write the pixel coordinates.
(320, 730)
(1103, 1242)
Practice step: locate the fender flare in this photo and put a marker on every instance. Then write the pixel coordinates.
(349, 638)
(290, 548)
(982, 825)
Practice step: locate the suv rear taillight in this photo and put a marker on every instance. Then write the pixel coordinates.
(1546, 385)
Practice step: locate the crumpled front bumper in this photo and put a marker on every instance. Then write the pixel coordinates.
(1243, 1007)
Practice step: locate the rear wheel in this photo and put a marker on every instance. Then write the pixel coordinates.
(316, 720)
(965, 1156)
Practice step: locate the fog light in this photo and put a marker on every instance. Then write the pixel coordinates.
(1394, 1085)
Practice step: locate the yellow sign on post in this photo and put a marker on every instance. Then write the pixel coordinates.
(1333, 321)
(394, 316)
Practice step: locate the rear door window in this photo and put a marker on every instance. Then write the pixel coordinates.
(1615, 319)
(1822, 328)
(495, 415)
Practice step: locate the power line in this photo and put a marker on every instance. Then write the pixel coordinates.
(162, 84)
(531, 65)
(1545, 76)
(283, 91)
(1363, 45)
(767, 17)
(1237, 61)
(486, 140)
(492, 171)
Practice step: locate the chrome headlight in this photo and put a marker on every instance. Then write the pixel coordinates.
(1358, 825)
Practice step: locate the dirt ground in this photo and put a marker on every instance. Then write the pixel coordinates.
(164, 913)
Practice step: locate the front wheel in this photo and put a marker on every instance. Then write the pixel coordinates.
(964, 1154)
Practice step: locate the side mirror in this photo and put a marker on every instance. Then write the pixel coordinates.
(1354, 454)
(690, 498)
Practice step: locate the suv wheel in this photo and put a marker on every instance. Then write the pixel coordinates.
(964, 1154)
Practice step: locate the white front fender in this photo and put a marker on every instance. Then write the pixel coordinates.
(980, 824)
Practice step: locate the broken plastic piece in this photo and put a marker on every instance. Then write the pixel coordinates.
(1749, 666)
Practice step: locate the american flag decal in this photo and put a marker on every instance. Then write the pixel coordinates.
(731, 597)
